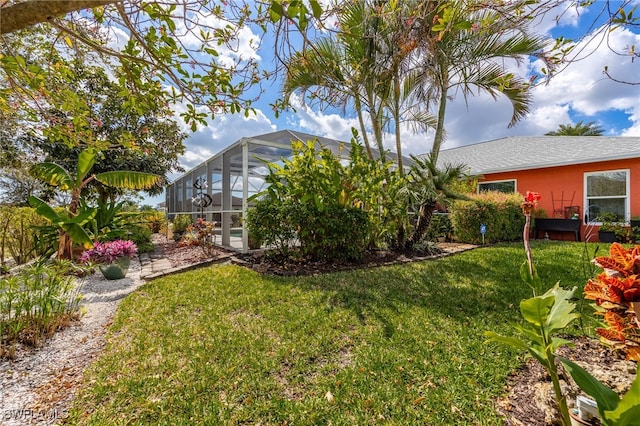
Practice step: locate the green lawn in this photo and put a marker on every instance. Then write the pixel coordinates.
(398, 345)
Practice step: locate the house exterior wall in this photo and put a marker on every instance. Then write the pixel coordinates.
(564, 186)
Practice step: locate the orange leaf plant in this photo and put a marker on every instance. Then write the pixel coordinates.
(616, 292)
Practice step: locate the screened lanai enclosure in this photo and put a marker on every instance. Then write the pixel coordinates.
(219, 188)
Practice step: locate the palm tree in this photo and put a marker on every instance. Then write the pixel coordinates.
(589, 129)
(71, 223)
(430, 186)
(469, 54)
(364, 64)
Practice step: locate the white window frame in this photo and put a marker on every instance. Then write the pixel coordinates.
(627, 201)
(515, 183)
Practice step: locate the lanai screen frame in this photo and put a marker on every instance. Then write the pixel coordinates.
(238, 169)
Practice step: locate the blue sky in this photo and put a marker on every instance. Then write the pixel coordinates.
(579, 93)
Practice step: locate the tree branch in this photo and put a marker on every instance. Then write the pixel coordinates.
(17, 16)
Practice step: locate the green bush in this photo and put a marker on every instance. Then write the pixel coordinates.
(17, 237)
(499, 212)
(440, 226)
(318, 204)
(141, 235)
(181, 222)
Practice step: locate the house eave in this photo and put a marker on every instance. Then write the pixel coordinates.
(554, 164)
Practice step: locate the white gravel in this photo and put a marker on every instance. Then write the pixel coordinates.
(38, 387)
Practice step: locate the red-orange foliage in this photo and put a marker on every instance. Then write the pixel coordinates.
(616, 291)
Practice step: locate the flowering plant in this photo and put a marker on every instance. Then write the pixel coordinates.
(109, 251)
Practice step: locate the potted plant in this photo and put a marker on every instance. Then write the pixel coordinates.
(610, 230)
(113, 257)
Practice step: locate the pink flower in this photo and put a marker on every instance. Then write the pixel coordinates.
(109, 252)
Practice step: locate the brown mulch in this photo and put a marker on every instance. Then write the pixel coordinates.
(182, 256)
(528, 393)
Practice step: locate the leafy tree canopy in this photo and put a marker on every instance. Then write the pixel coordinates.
(579, 129)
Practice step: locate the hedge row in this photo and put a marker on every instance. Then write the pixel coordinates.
(499, 212)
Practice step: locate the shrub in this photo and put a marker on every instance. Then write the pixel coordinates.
(500, 212)
(34, 304)
(141, 236)
(17, 233)
(317, 203)
(440, 226)
(181, 222)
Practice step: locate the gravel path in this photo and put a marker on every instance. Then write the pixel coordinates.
(38, 387)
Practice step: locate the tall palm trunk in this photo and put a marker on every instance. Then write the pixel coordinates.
(424, 220)
(439, 136)
(363, 129)
(396, 111)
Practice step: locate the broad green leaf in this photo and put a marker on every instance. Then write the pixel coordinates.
(275, 11)
(556, 342)
(561, 313)
(627, 413)
(52, 174)
(86, 160)
(44, 210)
(77, 233)
(509, 341)
(128, 180)
(606, 398)
(316, 9)
(536, 309)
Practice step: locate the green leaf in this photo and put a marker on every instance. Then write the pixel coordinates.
(509, 341)
(52, 174)
(628, 410)
(275, 11)
(536, 309)
(77, 233)
(561, 314)
(128, 180)
(86, 160)
(316, 9)
(606, 398)
(44, 210)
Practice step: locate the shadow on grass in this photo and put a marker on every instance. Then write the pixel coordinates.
(468, 287)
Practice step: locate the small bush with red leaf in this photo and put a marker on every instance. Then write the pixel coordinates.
(616, 292)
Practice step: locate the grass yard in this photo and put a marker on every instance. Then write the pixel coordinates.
(399, 345)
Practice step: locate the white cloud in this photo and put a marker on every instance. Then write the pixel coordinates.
(220, 133)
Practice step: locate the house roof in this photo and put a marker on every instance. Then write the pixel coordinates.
(536, 152)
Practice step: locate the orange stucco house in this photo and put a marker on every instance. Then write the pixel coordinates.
(576, 175)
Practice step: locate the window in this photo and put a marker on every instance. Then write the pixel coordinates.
(498, 185)
(607, 192)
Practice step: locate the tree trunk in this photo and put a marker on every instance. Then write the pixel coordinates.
(24, 14)
(439, 136)
(424, 220)
(65, 246)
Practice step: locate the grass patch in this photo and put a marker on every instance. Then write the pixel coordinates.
(394, 345)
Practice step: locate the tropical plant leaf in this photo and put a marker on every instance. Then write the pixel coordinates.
(561, 313)
(77, 233)
(86, 160)
(52, 174)
(128, 180)
(535, 310)
(492, 336)
(606, 399)
(44, 210)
